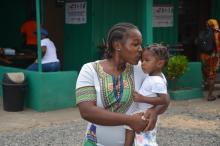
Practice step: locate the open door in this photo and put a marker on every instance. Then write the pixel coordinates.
(192, 18)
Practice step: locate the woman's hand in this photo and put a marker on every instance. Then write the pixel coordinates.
(137, 97)
(151, 116)
(137, 123)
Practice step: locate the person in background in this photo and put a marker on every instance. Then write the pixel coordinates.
(210, 61)
(105, 88)
(28, 30)
(50, 62)
(153, 91)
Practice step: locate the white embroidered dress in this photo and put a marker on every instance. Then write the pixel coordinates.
(106, 135)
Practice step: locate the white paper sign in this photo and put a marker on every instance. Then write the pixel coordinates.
(75, 12)
(162, 16)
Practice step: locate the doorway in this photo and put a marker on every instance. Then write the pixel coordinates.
(192, 18)
(53, 21)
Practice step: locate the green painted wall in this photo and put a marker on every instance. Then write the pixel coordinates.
(188, 86)
(194, 68)
(81, 41)
(77, 42)
(216, 9)
(108, 13)
(168, 34)
(12, 15)
(47, 91)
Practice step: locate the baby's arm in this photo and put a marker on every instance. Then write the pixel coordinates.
(161, 99)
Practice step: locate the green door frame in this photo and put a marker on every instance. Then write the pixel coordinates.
(39, 58)
(149, 26)
(145, 21)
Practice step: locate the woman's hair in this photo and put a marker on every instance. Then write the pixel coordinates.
(213, 23)
(117, 32)
(159, 50)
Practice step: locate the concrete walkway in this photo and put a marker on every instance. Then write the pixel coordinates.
(13, 121)
(185, 123)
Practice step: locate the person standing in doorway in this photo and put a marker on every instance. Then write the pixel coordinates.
(210, 60)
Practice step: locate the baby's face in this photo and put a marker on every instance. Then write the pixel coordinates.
(149, 62)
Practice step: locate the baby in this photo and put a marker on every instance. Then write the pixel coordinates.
(152, 92)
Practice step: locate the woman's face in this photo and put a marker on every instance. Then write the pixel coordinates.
(131, 48)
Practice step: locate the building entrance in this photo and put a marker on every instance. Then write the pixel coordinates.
(192, 18)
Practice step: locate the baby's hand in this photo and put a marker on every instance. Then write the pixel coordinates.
(137, 97)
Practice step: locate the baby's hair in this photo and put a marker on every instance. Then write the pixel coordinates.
(159, 51)
(118, 32)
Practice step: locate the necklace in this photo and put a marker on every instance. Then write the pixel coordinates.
(118, 87)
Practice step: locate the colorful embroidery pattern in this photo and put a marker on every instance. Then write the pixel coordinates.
(91, 134)
(116, 97)
(87, 93)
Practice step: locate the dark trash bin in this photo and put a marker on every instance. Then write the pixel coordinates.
(14, 91)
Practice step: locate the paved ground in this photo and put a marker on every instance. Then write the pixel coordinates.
(186, 123)
(28, 119)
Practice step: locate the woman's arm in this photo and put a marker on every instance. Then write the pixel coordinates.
(90, 112)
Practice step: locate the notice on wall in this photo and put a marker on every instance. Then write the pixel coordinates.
(75, 12)
(163, 16)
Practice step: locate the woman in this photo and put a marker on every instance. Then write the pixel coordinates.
(105, 88)
(210, 60)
